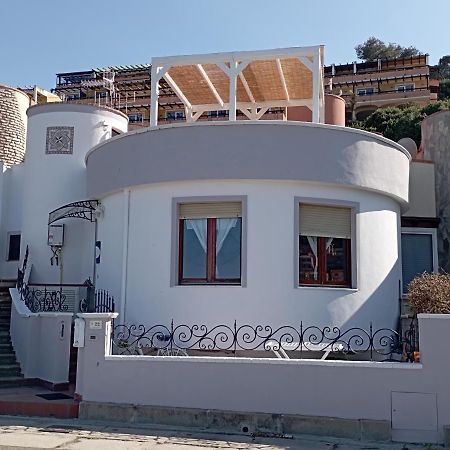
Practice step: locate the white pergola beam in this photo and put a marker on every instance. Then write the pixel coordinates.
(250, 105)
(210, 84)
(177, 90)
(283, 80)
(257, 55)
(233, 63)
(197, 114)
(247, 87)
(261, 112)
(247, 113)
(307, 62)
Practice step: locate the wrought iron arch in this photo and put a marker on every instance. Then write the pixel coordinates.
(84, 209)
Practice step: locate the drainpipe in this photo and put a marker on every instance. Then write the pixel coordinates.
(126, 226)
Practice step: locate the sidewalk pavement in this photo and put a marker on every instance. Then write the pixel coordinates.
(73, 434)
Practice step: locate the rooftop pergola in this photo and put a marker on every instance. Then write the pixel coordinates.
(251, 82)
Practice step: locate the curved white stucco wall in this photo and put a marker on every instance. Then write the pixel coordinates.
(53, 180)
(269, 296)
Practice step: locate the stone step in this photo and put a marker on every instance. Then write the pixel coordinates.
(8, 359)
(6, 348)
(67, 409)
(5, 339)
(9, 370)
(7, 382)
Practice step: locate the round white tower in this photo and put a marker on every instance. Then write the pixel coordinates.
(13, 125)
(59, 136)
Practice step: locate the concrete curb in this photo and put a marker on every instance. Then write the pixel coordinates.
(239, 422)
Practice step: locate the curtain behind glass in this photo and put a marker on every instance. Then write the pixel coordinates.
(194, 248)
(228, 248)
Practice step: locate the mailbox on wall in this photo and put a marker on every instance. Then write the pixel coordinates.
(56, 235)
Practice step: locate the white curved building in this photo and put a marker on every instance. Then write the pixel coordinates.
(262, 222)
(265, 184)
(59, 136)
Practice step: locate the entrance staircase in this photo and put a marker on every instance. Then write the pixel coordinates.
(10, 373)
(21, 396)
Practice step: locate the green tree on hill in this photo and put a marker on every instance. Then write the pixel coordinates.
(374, 48)
(400, 121)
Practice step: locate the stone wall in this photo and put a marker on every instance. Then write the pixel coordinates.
(436, 146)
(13, 125)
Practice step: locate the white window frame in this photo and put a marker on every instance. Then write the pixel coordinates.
(360, 90)
(8, 242)
(176, 202)
(73, 96)
(217, 113)
(141, 119)
(403, 86)
(179, 115)
(433, 233)
(354, 272)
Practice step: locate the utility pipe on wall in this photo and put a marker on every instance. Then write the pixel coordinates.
(126, 226)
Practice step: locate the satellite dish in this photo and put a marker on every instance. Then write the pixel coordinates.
(410, 145)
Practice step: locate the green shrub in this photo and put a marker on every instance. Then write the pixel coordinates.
(430, 293)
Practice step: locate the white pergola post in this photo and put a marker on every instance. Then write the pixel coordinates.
(154, 94)
(233, 64)
(157, 73)
(321, 89)
(233, 74)
(316, 100)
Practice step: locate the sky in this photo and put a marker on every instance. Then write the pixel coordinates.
(40, 38)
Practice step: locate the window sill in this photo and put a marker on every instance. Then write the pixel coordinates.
(214, 285)
(328, 288)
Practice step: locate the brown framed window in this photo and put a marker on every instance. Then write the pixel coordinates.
(210, 247)
(324, 246)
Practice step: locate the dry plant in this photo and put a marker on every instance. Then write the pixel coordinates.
(430, 293)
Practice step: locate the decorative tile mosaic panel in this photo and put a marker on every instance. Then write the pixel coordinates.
(59, 140)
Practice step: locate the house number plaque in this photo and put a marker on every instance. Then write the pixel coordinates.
(95, 324)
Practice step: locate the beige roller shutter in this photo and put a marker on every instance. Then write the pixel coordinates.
(325, 221)
(210, 209)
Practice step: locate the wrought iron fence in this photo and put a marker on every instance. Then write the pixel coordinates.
(44, 299)
(284, 341)
(100, 301)
(40, 298)
(53, 298)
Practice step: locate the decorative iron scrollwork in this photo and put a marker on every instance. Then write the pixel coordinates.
(44, 300)
(384, 342)
(84, 209)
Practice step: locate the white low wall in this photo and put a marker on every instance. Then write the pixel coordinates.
(414, 398)
(41, 342)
